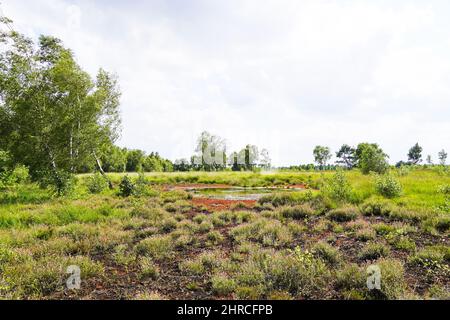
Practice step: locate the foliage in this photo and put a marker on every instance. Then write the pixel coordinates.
(442, 155)
(371, 158)
(373, 251)
(126, 187)
(96, 183)
(321, 155)
(347, 156)
(338, 188)
(53, 117)
(343, 214)
(415, 154)
(388, 186)
(375, 207)
(297, 212)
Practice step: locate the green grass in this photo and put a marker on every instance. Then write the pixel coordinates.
(420, 186)
(291, 245)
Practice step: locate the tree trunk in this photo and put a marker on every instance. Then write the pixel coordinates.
(100, 168)
(58, 179)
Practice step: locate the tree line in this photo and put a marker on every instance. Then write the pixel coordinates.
(211, 155)
(368, 157)
(56, 121)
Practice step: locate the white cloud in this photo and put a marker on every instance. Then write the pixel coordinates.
(285, 75)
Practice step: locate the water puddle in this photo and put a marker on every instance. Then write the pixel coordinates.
(240, 193)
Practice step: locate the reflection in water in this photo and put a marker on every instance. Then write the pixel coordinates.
(239, 193)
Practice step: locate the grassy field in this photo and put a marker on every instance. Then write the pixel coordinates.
(163, 243)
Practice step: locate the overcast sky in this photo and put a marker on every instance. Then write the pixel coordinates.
(284, 75)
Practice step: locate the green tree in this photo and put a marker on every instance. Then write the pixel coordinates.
(371, 158)
(322, 155)
(53, 117)
(211, 152)
(442, 155)
(415, 154)
(347, 157)
(113, 158)
(135, 159)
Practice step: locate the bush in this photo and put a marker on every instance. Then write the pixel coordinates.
(297, 212)
(393, 284)
(388, 186)
(284, 199)
(157, 247)
(126, 187)
(20, 174)
(222, 285)
(267, 232)
(140, 186)
(375, 207)
(96, 183)
(365, 234)
(431, 256)
(148, 268)
(343, 214)
(351, 277)
(298, 273)
(338, 188)
(373, 251)
(327, 253)
(62, 182)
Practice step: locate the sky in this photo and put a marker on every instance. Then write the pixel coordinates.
(283, 75)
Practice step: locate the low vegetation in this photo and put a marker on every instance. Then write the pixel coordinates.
(141, 240)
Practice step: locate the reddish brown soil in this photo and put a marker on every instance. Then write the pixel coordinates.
(221, 204)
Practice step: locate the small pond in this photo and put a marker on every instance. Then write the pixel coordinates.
(239, 193)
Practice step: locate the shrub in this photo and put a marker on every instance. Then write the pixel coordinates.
(351, 277)
(267, 232)
(343, 214)
(298, 273)
(431, 256)
(383, 228)
(215, 237)
(249, 292)
(373, 251)
(121, 257)
(338, 188)
(388, 186)
(140, 186)
(157, 247)
(126, 187)
(440, 223)
(20, 174)
(167, 225)
(327, 253)
(96, 183)
(205, 262)
(283, 199)
(148, 268)
(393, 284)
(375, 207)
(61, 182)
(297, 212)
(402, 243)
(222, 285)
(365, 234)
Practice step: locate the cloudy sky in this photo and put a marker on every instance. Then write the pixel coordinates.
(284, 75)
